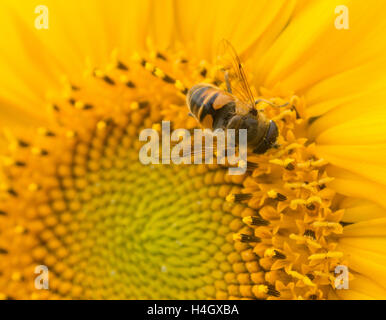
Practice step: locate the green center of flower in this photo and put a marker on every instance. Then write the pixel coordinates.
(107, 226)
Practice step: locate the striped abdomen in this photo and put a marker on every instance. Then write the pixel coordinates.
(210, 105)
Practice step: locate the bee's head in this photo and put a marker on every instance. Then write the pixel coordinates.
(269, 139)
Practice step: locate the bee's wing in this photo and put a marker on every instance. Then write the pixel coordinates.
(229, 62)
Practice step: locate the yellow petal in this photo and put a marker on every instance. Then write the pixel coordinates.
(311, 48)
(162, 23)
(362, 260)
(355, 92)
(362, 288)
(367, 161)
(370, 228)
(356, 210)
(241, 23)
(353, 185)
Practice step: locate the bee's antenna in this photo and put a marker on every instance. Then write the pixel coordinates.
(160, 74)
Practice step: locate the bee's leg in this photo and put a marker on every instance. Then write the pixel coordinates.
(229, 88)
(280, 106)
(270, 103)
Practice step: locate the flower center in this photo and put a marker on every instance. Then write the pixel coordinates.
(78, 201)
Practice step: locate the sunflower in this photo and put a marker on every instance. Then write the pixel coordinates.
(75, 199)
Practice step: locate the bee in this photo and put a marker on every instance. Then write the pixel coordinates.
(234, 108)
